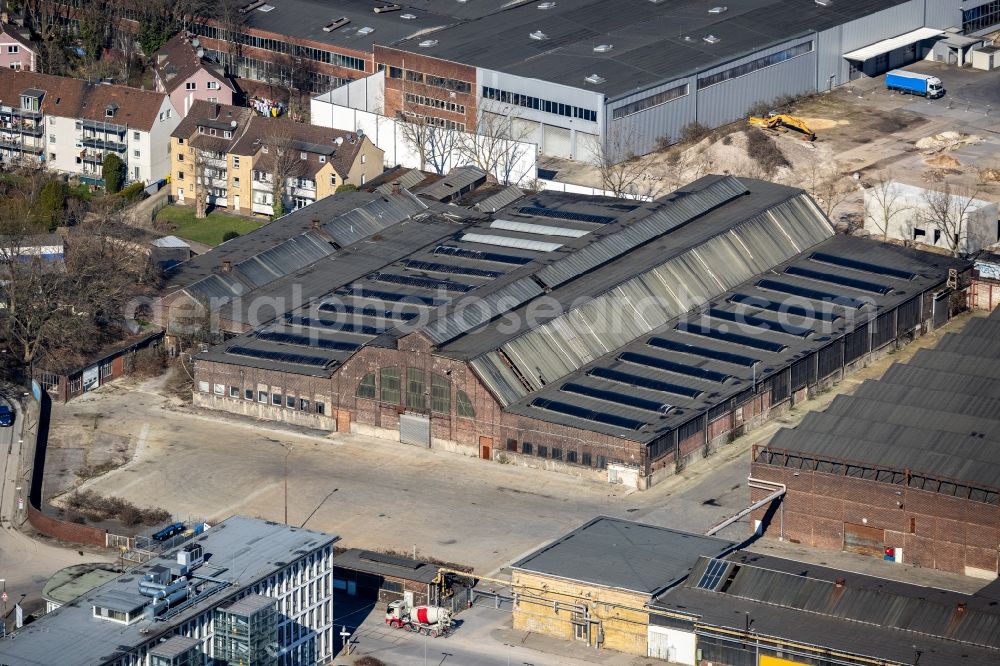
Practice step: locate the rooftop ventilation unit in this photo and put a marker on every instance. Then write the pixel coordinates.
(428, 43)
(688, 38)
(408, 17)
(711, 39)
(718, 10)
(824, 3)
(603, 48)
(339, 23)
(596, 79)
(538, 35)
(266, 8)
(245, 9)
(367, 30)
(387, 8)
(546, 5)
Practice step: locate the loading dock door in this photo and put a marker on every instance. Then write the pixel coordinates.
(557, 142)
(864, 540)
(415, 429)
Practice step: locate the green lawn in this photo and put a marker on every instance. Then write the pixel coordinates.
(209, 230)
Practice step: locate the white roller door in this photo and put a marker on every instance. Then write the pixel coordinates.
(673, 645)
(557, 142)
(415, 429)
(526, 130)
(587, 147)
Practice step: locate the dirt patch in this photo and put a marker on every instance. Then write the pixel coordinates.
(824, 123)
(943, 162)
(946, 141)
(95, 508)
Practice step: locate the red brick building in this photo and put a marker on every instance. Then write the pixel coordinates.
(422, 88)
(561, 331)
(907, 463)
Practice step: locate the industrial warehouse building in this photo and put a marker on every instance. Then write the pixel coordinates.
(906, 463)
(563, 331)
(582, 73)
(690, 599)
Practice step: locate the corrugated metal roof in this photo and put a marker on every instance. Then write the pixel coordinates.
(886, 608)
(457, 180)
(406, 181)
(636, 307)
(372, 217)
(504, 197)
(283, 259)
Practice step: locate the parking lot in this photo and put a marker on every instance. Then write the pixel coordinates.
(373, 493)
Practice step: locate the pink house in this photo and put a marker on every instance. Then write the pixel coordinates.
(16, 50)
(185, 74)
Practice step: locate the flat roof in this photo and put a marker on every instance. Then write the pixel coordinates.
(861, 614)
(67, 584)
(239, 551)
(651, 42)
(893, 43)
(622, 554)
(380, 564)
(932, 422)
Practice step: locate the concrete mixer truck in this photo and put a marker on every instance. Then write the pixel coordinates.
(427, 620)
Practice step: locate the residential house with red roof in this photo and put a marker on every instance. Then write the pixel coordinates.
(72, 125)
(17, 51)
(183, 71)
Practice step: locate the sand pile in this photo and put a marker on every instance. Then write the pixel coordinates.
(943, 162)
(945, 141)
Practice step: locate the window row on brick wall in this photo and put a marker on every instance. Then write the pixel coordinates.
(275, 397)
(573, 456)
(409, 387)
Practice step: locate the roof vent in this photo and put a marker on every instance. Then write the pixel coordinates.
(596, 79)
(711, 39)
(338, 23)
(252, 6)
(718, 10)
(387, 8)
(266, 8)
(427, 43)
(367, 30)
(688, 38)
(538, 35)
(824, 3)
(546, 5)
(408, 17)
(603, 48)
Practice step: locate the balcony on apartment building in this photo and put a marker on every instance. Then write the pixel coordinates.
(22, 126)
(12, 112)
(15, 143)
(103, 144)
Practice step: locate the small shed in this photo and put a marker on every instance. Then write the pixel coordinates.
(986, 58)
(365, 573)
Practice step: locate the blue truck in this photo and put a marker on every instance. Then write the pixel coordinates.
(914, 84)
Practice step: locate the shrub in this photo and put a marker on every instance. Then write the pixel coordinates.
(694, 132)
(133, 192)
(48, 210)
(230, 235)
(765, 151)
(346, 187)
(369, 661)
(113, 172)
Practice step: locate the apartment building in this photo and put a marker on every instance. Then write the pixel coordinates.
(17, 51)
(246, 591)
(71, 125)
(231, 156)
(183, 71)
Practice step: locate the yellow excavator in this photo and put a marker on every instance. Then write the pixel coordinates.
(780, 122)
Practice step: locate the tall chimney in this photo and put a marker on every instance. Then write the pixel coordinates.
(839, 583)
(395, 187)
(227, 266)
(314, 224)
(961, 607)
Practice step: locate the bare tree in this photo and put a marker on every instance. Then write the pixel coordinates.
(828, 188)
(434, 145)
(949, 210)
(200, 182)
(497, 146)
(70, 311)
(622, 172)
(280, 159)
(884, 204)
(232, 18)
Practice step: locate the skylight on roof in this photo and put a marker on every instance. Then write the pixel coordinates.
(711, 39)
(546, 5)
(603, 48)
(718, 10)
(427, 43)
(538, 35)
(408, 17)
(367, 30)
(596, 79)
(265, 8)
